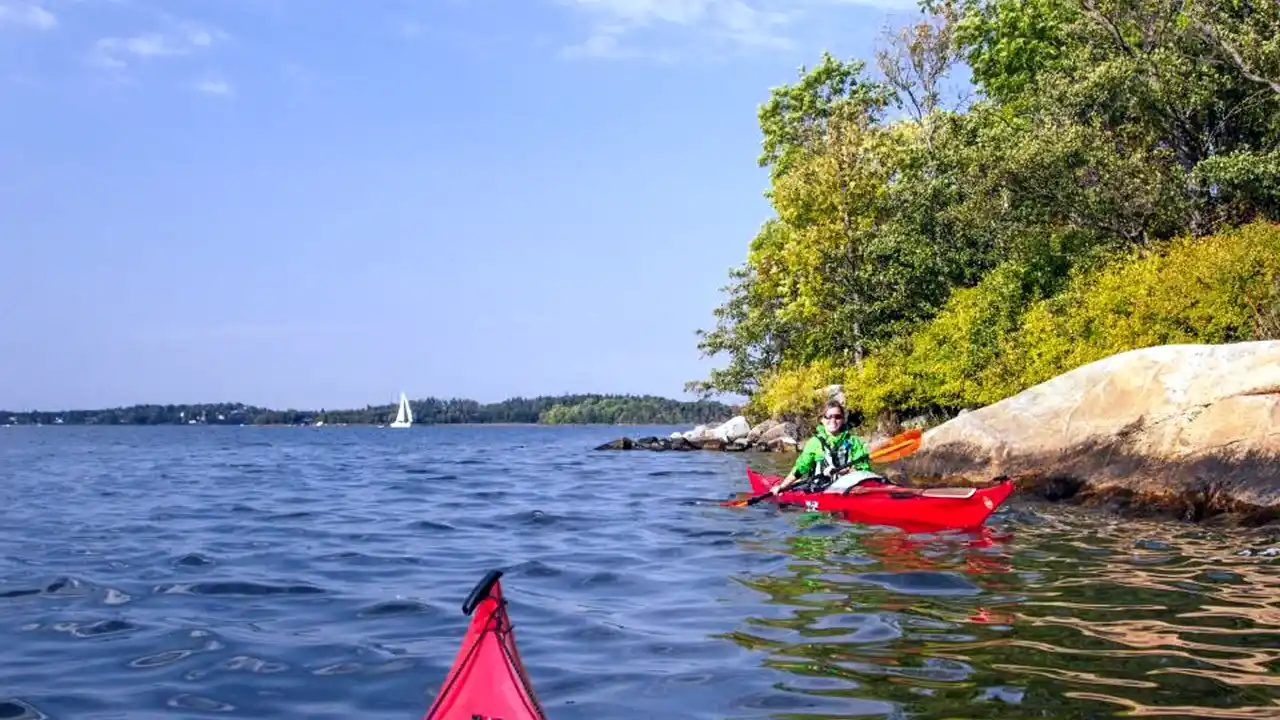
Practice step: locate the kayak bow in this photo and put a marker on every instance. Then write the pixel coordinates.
(911, 509)
(487, 681)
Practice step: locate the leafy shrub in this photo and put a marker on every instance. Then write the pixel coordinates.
(996, 339)
(796, 393)
(1210, 290)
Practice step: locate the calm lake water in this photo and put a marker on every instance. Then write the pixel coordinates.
(202, 572)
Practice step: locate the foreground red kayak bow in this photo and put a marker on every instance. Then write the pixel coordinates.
(911, 509)
(487, 680)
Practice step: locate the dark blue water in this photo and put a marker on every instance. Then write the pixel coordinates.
(199, 572)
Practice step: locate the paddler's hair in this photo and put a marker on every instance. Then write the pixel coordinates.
(835, 404)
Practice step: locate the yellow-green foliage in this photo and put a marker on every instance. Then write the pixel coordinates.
(796, 392)
(1193, 291)
(988, 343)
(951, 361)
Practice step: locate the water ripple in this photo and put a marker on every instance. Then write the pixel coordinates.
(319, 573)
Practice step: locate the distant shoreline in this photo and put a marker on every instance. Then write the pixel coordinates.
(587, 409)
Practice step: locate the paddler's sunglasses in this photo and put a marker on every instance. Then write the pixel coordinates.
(832, 417)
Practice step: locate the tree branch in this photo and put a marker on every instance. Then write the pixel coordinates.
(1121, 43)
(1236, 59)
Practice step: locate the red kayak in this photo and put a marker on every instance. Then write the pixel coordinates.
(883, 503)
(487, 680)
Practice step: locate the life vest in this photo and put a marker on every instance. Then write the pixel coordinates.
(833, 459)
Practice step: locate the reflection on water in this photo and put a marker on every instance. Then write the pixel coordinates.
(1050, 614)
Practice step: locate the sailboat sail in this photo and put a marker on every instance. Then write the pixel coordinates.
(404, 415)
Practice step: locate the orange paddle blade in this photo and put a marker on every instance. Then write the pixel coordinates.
(898, 447)
(740, 502)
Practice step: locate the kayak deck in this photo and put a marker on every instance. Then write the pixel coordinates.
(487, 679)
(912, 509)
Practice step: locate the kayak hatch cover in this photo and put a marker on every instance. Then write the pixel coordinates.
(487, 680)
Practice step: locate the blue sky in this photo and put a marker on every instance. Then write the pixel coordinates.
(324, 203)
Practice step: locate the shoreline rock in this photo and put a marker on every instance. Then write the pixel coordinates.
(1190, 432)
(734, 435)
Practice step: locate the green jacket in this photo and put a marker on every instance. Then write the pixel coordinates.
(846, 450)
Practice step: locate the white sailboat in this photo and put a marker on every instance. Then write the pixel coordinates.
(404, 416)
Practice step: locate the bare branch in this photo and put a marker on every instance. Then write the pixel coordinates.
(916, 60)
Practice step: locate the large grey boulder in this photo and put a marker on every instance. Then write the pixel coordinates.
(1189, 430)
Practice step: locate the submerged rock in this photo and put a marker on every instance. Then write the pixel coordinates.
(1190, 431)
(622, 443)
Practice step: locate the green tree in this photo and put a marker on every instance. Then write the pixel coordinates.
(1102, 128)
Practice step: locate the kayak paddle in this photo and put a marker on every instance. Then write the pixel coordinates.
(896, 448)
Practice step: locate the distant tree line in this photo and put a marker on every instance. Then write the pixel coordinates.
(562, 409)
(633, 411)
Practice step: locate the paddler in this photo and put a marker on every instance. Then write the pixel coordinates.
(834, 459)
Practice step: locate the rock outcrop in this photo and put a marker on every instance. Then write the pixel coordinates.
(735, 435)
(1191, 431)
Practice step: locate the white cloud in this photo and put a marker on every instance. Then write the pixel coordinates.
(642, 12)
(602, 43)
(27, 14)
(732, 22)
(115, 53)
(723, 24)
(218, 88)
